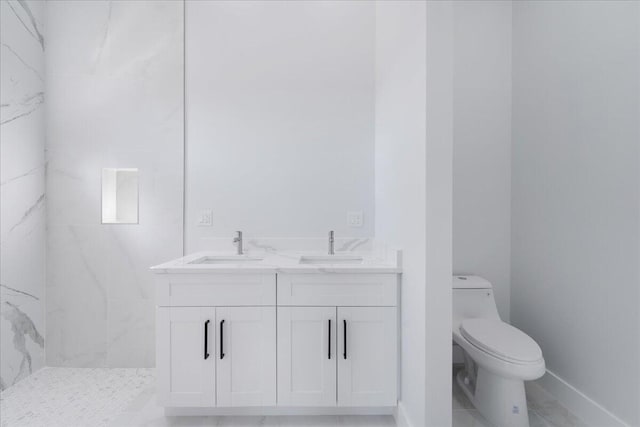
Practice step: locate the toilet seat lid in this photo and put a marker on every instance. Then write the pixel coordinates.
(501, 340)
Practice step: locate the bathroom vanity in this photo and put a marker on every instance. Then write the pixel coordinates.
(278, 333)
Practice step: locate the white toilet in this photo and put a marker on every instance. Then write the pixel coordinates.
(498, 357)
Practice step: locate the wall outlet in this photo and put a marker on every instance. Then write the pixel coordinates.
(205, 218)
(355, 219)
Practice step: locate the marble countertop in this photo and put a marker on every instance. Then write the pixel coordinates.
(283, 262)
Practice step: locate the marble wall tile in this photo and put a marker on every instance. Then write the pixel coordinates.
(115, 99)
(22, 190)
(76, 296)
(131, 333)
(283, 244)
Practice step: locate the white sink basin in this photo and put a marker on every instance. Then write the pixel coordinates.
(227, 259)
(331, 259)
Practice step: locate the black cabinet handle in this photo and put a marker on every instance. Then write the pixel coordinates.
(344, 322)
(329, 339)
(206, 340)
(222, 339)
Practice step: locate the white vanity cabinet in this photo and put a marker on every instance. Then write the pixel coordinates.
(216, 356)
(337, 356)
(219, 355)
(343, 353)
(246, 356)
(185, 361)
(367, 359)
(277, 340)
(307, 356)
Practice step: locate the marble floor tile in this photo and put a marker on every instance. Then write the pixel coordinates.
(322, 421)
(145, 412)
(468, 418)
(544, 404)
(544, 409)
(535, 420)
(472, 418)
(367, 421)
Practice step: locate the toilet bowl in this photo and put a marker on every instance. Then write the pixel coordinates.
(498, 356)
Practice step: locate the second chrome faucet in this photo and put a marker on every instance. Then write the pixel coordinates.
(331, 243)
(238, 242)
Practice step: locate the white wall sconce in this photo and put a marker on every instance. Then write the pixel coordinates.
(120, 196)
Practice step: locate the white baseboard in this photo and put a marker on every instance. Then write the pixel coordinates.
(580, 404)
(272, 411)
(401, 416)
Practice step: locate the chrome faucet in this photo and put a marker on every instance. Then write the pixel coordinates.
(331, 240)
(238, 242)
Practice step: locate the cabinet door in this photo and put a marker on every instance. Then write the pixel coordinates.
(307, 356)
(246, 356)
(367, 362)
(186, 363)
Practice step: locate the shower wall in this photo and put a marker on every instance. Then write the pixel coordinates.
(22, 189)
(115, 100)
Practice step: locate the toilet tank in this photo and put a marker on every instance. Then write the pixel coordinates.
(473, 297)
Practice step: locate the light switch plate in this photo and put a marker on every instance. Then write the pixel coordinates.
(205, 218)
(355, 219)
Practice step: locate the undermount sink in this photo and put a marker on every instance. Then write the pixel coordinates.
(227, 259)
(331, 259)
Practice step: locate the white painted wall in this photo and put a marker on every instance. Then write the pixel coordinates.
(482, 144)
(413, 194)
(439, 214)
(280, 105)
(115, 97)
(400, 180)
(22, 190)
(576, 194)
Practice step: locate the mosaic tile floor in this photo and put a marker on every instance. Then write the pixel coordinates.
(72, 397)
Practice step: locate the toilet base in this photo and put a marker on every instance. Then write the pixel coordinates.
(502, 401)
